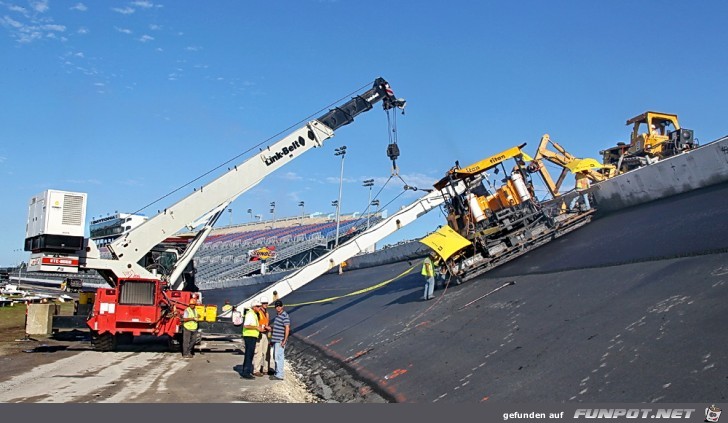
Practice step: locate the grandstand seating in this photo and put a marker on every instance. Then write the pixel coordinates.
(224, 255)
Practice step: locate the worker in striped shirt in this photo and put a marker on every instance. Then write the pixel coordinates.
(281, 330)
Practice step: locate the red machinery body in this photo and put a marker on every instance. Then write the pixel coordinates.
(138, 306)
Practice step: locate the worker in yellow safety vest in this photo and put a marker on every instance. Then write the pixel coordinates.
(189, 328)
(251, 333)
(428, 271)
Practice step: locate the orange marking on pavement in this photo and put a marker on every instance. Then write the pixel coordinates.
(484, 399)
(426, 322)
(334, 342)
(395, 374)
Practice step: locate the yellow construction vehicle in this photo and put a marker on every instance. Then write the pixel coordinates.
(595, 171)
(655, 136)
(494, 215)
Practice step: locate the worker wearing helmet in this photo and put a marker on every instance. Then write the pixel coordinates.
(428, 272)
(251, 333)
(262, 348)
(189, 328)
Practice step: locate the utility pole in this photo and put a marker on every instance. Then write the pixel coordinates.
(250, 212)
(369, 183)
(301, 204)
(341, 151)
(230, 211)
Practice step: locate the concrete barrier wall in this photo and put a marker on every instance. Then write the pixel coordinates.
(411, 250)
(699, 168)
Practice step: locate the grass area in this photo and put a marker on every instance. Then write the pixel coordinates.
(12, 326)
(13, 317)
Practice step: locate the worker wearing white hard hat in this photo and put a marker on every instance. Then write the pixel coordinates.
(262, 349)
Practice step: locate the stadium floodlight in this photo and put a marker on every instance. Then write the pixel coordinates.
(368, 183)
(341, 151)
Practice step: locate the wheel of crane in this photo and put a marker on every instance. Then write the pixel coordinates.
(103, 342)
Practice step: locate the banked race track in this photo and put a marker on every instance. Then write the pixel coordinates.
(631, 308)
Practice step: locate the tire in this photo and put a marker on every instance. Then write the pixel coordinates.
(104, 342)
(174, 343)
(125, 338)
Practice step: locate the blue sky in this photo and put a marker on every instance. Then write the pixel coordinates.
(129, 100)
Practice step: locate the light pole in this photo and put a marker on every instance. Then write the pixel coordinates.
(273, 212)
(301, 204)
(341, 151)
(369, 183)
(230, 211)
(250, 212)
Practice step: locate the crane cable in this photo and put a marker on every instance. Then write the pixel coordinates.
(392, 148)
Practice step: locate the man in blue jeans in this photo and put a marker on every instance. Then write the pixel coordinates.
(251, 333)
(279, 338)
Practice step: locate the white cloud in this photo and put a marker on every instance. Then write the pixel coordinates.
(80, 7)
(54, 27)
(40, 6)
(155, 27)
(99, 84)
(193, 48)
(291, 176)
(143, 4)
(83, 181)
(16, 8)
(79, 54)
(145, 38)
(335, 180)
(82, 31)
(10, 22)
(2, 159)
(160, 49)
(124, 11)
(123, 30)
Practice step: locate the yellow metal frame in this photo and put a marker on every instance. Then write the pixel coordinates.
(568, 163)
(489, 163)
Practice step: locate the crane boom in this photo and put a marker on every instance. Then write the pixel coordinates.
(354, 246)
(128, 250)
(140, 301)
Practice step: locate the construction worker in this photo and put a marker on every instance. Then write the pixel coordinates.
(428, 271)
(251, 332)
(262, 348)
(281, 331)
(189, 328)
(582, 184)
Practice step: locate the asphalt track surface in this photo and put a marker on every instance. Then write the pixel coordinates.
(631, 308)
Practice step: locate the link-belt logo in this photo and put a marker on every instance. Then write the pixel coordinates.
(633, 413)
(285, 151)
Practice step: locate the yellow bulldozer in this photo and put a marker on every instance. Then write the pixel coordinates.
(655, 136)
